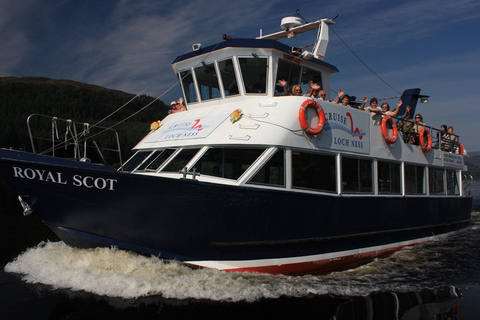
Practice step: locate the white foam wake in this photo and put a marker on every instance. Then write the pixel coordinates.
(117, 273)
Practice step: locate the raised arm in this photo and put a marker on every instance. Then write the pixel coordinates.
(341, 92)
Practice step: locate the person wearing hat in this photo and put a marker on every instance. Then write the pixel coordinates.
(177, 106)
(173, 106)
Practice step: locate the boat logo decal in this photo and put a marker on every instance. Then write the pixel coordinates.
(346, 132)
(187, 129)
(339, 122)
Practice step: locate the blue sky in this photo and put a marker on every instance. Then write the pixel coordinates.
(128, 45)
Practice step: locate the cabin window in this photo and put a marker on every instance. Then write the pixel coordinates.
(226, 163)
(135, 160)
(414, 179)
(357, 175)
(229, 80)
(290, 72)
(313, 171)
(388, 178)
(154, 161)
(310, 75)
(254, 72)
(207, 81)
(180, 160)
(436, 181)
(188, 86)
(273, 172)
(452, 183)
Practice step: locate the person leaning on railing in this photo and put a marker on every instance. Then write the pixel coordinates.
(415, 130)
(442, 137)
(451, 141)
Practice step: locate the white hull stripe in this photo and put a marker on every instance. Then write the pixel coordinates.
(245, 264)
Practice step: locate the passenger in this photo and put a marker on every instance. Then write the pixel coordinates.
(415, 131)
(341, 92)
(297, 90)
(345, 98)
(314, 92)
(323, 95)
(386, 109)
(452, 141)
(364, 102)
(177, 106)
(442, 137)
(181, 106)
(405, 115)
(173, 107)
(406, 122)
(285, 88)
(373, 106)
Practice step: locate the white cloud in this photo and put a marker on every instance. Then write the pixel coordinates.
(15, 44)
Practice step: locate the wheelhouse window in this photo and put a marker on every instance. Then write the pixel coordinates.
(290, 72)
(226, 163)
(207, 81)
(388, 178)
(254, 72)
(313, 171)
(180, 160)
(294, 74)
(186, 78)
(357, 175)
(310, 75)
(436, 181)
(452, 183)
(229, 80)
(273, 172)
(414, 179)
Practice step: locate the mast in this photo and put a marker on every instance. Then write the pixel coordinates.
(292, 26)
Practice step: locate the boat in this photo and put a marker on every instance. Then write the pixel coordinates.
(253, 179)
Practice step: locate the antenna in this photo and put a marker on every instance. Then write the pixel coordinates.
(299, 15)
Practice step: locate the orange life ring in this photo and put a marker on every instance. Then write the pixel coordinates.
(393, 138)
(460, 149)
(302, 116)
(424, 131)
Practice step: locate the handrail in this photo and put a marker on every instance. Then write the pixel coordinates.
(81, 139)
(443, 143)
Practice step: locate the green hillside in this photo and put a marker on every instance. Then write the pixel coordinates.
(21, 97)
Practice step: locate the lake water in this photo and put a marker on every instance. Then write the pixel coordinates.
(41, 278)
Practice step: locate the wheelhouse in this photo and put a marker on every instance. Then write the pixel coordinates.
(246, 68)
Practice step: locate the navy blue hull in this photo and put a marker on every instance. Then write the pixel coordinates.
(187, 220)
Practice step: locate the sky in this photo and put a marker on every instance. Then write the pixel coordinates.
(128, 45)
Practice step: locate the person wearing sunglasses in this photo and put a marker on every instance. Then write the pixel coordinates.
(415, 131)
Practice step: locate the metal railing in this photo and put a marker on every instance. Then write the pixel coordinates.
(66, 138)
(443, 140)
